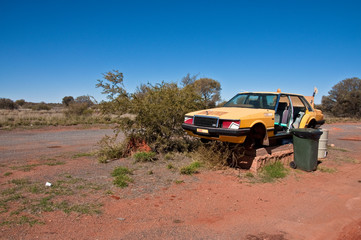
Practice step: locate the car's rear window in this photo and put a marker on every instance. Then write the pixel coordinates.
(253, 100)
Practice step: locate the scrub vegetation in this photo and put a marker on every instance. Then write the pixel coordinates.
(121, 176)
(154, 113)
(27, 114)
(23, 201)
(110, 148)
(273, 171)
(268, 174)
(217, 155)
(191, 168)
(144, 156)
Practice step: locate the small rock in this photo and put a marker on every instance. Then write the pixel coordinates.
(177, 221)
(121, 219)
(115, 197)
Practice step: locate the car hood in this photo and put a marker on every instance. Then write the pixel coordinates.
(231, 112)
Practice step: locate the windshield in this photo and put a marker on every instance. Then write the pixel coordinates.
(253, 100)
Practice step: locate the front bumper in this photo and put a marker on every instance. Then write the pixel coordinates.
(215, 132)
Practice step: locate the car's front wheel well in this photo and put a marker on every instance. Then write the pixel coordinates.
(258, 130)
(312, 124)
(256, 135)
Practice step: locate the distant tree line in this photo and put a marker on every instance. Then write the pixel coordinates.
(344, 99)
(68, 100)
(6, 103)
(9, 104)
(78, 106)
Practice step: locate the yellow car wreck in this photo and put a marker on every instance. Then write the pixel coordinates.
(253, 118)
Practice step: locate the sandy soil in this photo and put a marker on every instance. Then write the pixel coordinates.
(162, 204)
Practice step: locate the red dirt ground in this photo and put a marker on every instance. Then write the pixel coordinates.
(219, 204)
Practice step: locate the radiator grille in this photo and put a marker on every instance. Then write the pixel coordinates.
(205, 121)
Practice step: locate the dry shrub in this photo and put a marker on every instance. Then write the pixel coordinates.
(219, 154)
(110, 149)
(158, 111)
(78, 109)
(41, 106)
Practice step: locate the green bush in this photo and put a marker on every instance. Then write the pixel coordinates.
(159, 112)
(121, 176)
(121, 171)
(122, 181)
(273, 171)
(191, 168)
(170, 166)
(144, 156)
(154, 112)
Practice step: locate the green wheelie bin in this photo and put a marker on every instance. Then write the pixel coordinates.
(305, 148)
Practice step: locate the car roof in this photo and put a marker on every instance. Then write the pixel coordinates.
(277, 93)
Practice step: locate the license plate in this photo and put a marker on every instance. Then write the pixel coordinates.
(202, 130)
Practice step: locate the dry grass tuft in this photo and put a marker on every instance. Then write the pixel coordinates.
(218, 154)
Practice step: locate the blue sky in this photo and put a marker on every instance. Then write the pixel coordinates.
(52, 49)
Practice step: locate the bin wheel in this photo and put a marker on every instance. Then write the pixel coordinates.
(293, 165)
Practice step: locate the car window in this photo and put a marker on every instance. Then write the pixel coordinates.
(271, 101)
(241, 99)
(297, 102)
(284, 102)
(307, 104)
(253, 100)
(283, 112)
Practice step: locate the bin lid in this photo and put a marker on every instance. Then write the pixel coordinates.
(308, 133)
